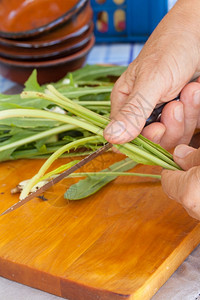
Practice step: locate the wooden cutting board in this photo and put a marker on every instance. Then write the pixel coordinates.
(122, 243)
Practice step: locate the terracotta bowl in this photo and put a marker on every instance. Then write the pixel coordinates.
(25, 19)
(48, 71)
(55, 51)
(70, 30)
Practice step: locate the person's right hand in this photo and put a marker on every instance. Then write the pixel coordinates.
(178, 131)
(184, 186)
(170, 58)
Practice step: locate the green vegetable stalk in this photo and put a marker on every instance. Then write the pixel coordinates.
(140, 151)
(72, 113)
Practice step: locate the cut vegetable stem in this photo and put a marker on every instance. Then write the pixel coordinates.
(52, 158)
(114, 174)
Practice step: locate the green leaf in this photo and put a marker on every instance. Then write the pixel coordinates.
(76, 92)
(16, 134)
(140, 159)
(7, 154)
(23, 139)
(93, 72)
(15, 101)
(97, 98)
(30, 123)
(32, 84)
(92, 184)
(40, 145)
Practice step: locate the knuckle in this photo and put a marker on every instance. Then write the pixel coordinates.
(189, 203)
(123, 85)
(131, 70)
(187, 200)
(134, 115)
(125, 88)
(187, 92)
(138, 106)
(132, 108)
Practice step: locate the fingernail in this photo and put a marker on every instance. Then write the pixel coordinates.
(157, 138)
(182, 151)
(178, 113)
(115, 129)
(196, 98)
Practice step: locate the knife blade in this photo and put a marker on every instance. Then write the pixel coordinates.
(153, 118)
(58, 178)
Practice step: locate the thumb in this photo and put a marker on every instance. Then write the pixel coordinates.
(187, 157)
(130, 119)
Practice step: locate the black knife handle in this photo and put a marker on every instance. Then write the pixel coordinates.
(155, 116)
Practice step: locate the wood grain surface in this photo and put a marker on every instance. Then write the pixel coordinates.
(122, 243)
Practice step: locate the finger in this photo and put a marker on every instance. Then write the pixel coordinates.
(154, 132)
(184, 188)
(121, 91)
(190, 97)
(172, 183)
(131, 118)
(186, 157)
(198, 121)
(173, 119)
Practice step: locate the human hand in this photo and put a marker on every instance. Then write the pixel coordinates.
(177, 131)
(184, 186)
(170, 58)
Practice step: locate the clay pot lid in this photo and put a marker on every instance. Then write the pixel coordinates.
(58, 61)
(20, 21)
(47, 71)
(58, 50)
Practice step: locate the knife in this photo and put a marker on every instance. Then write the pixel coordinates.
(153, 118)
(58, 178)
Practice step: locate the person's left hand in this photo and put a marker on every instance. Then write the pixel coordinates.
(184, 186)
(173, 130)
